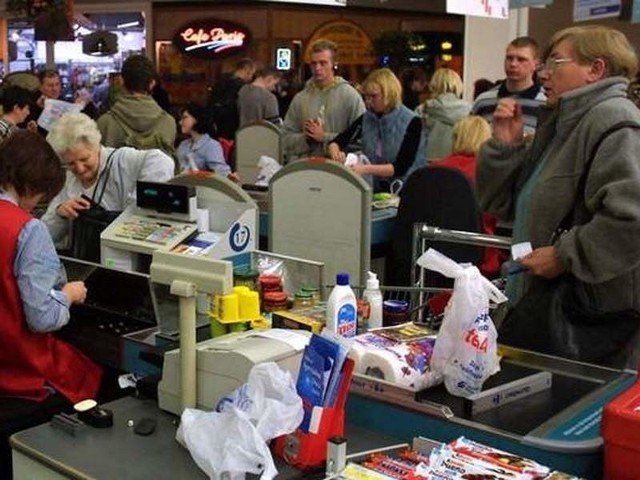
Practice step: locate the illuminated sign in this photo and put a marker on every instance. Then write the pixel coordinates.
(283, 58)
(211, 38)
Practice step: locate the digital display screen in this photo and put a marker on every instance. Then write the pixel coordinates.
(164, 197)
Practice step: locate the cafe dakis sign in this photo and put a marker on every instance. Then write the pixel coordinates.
(211, 38)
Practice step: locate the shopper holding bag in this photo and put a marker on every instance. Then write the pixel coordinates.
(573, 192)
(96, 175)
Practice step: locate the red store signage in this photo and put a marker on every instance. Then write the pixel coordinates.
(211, 38)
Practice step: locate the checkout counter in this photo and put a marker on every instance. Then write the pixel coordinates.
(545, 408)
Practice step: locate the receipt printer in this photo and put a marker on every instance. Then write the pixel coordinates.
(223, 364)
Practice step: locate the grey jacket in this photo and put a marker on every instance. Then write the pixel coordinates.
(439, 115)
(602, 248)
(338, 106)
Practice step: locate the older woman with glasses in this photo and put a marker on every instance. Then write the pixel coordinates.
(580, 174)
(76, 139)
(390, 134)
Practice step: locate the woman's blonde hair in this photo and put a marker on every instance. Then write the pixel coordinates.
(73, 130)
(445, 80)
(469, 133)
(389, 86)
(591, 42)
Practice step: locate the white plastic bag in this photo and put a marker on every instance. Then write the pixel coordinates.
(225, 443)
(269, 399)
(234, 439)
(465, 353)
(268, 167)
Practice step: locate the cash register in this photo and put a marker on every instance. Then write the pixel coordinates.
(163, 217)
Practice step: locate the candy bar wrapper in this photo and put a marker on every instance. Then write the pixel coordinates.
(505, 460)
(447, 460)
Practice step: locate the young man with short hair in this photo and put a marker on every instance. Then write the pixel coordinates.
(326, 106)
(135, 111)
(520, 63)
(256, 100)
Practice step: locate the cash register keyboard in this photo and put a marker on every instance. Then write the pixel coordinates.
(146, 230)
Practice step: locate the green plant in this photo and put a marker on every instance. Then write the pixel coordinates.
(394, 48)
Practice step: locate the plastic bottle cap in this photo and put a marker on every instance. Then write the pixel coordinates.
(372, 281)
(342, 278)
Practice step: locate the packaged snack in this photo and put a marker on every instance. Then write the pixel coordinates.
(506, 460)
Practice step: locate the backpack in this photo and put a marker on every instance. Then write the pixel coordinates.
(147, 140)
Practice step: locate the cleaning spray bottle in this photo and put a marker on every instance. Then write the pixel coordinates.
(373, 295)
(342, 308)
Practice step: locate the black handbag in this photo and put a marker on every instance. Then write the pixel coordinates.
(558, 317)
(86, 229)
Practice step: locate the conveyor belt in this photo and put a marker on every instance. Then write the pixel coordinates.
(538, 407)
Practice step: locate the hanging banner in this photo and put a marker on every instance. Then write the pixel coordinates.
(479, 8)
(584, 10)
(211, 38)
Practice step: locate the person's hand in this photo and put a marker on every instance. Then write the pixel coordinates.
(336, 154)
(508, 125)
(76, 292)
(360, 168)
(70, 208)
(40, 101)
(314, 130)
(544, 262)
(32, 126)
(234, 177)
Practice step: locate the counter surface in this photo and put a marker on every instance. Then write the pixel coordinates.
(117, 452)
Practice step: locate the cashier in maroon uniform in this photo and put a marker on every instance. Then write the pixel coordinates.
(34, 294)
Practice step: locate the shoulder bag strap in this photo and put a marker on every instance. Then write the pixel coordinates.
(104, 177)
(566, 222)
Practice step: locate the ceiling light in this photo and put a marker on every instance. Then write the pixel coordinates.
(128, 24)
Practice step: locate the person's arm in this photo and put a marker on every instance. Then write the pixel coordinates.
(168, 129)
(38, 273)
(606, 246)
(271, 110)
(500, 161)
(58, 226)
(346, 137)
(214, 158)
(351, 107)
(157, 166)
(408, 148)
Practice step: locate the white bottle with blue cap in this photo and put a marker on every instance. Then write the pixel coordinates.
(373, 295)
(342, 313)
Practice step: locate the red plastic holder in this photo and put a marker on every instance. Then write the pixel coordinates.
(307, 450)
(621, 433)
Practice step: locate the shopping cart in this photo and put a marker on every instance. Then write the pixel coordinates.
(427, 302)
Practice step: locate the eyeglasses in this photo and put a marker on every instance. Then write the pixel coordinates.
(551, 64)
(371, 96)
